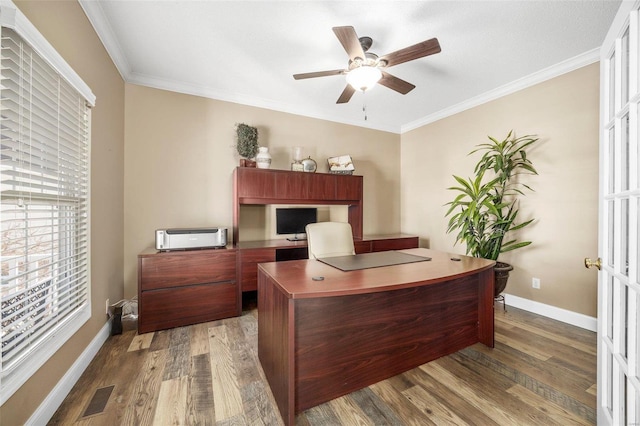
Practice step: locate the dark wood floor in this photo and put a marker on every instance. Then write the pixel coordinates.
(541, 372)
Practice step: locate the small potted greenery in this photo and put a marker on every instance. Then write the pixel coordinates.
(486, 208)
(246, 144)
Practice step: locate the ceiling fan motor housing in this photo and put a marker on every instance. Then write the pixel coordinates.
(365, 42)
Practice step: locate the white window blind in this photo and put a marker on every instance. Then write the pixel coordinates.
(44, 216)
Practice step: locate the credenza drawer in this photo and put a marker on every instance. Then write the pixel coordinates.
(176, 307)
(175, 269)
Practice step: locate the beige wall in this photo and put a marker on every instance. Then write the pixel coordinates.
(180, 157)
(563, 112)
(65, 26)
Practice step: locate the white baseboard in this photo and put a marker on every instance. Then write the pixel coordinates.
(52, 402)
(569, 317)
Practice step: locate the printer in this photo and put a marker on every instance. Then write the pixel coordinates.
(190, 238)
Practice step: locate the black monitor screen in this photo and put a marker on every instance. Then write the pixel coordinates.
(294, 220)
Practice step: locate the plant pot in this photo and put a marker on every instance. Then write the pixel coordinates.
(244, 162)
(501, 276)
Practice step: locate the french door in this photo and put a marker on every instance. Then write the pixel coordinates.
(619, 199)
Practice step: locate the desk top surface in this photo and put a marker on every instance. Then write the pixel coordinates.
(295, 278)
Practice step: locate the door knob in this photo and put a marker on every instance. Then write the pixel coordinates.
(588, 263)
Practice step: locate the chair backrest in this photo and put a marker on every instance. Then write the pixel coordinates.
(329, 239)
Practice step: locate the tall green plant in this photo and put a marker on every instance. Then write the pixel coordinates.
(486, 207)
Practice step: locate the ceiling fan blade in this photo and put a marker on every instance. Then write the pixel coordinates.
(346, 95)
(420, 50)
(318, 74)
(395, 83)
(349, 40)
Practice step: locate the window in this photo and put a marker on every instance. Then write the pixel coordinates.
(44, 209)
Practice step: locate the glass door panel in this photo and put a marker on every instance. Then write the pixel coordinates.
(619, 279)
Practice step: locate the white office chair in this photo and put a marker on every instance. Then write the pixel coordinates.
(329, 239)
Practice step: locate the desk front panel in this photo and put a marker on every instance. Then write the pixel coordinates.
(347, 343)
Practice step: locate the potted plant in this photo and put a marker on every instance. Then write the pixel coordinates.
(486, 207)
(246, 144)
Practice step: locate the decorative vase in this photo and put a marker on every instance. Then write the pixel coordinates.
(263, 159)
(309, 165)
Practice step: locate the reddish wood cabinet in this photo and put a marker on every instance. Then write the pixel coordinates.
(186, 287)
(266, 186)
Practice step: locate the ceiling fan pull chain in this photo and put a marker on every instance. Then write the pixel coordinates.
(364, 106)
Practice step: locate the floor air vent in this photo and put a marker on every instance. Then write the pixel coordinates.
(98, 402)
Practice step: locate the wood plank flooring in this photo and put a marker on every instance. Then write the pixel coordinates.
(541, 372)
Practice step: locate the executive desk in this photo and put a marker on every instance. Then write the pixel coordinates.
(318, 340)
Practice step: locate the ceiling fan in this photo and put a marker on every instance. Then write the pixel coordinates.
(365, 68)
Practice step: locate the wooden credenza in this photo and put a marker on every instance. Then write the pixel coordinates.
(251, 253)
(186, 287)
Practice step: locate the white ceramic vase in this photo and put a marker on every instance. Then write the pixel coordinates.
(263, 158)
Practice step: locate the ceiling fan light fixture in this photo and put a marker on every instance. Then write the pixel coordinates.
(364, 77)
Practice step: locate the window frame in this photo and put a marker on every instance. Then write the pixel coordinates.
(11, 380)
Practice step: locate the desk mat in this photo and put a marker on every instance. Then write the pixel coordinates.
(371, 260)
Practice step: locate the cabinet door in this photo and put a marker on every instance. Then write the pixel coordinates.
(255, 183)
(322, 187)
(292, 186)
(348, 187)
(249, 259)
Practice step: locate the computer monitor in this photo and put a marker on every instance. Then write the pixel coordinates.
(293, 220)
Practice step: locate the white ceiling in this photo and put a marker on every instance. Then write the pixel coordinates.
(247, 51)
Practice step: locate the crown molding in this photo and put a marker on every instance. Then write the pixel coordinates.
(559, 69)
(553, 71)
(104, 31)
(205, 92)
